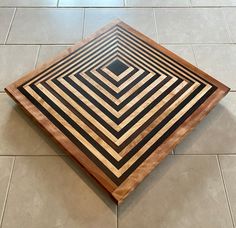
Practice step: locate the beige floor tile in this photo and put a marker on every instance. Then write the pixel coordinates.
(48, 52)
(15, 60)
(19, 135)
(141, 19)
(47, 192)
(184, 192)
(228, 166)
(191, 26)
(5, 20)
(46, 26)
(230, 16)
(153, 3)
(5, 172)
(218, 61)
(213, 2)
(216, 134)
(184, 51)
(93, 3)
(28, 3)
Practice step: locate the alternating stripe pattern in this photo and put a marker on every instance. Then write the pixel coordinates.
(117, 98)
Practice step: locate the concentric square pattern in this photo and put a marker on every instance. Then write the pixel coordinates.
(118, 103)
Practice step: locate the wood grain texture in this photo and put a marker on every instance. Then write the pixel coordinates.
(118, 103)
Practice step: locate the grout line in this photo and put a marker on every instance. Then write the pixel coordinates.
(231, 154)
(226, 192)
(193, 43)
(227, 26)
(54, 44)
(98, 7)
(30, 44)
(173, 151)
(194, 55)
(117, 216)
(37, 56)
(155, 22)
(83, 25)
(163, 43)
(9, 29)
(34, 155)
(124, 2)
(53, 155)
(7, 192)
(190, 4)
(194, 155)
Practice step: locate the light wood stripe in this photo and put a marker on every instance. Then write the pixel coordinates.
(69, 127)
(149, 68)
(110, 96)
(175, 104)
(111, 50)
(164, 58)
(119, 172)
(118, 114)
(91, 119)
(93, 107)
(137, 125)
(97, 124)
(82, 50)
(114, 76)
(163, 130)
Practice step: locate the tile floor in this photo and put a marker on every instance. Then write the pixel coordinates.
(41, 187)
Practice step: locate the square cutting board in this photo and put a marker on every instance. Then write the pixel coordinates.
(118, 103)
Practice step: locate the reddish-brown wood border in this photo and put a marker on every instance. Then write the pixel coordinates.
(118, 193)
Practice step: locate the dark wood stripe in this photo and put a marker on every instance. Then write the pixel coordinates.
(166, 57)
(89, 44)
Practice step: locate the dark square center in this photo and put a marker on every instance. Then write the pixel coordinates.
(117, 67)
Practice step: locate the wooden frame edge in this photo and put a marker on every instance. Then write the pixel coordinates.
(177, 58)
(119, 193)
(122, 191)
(80, 158)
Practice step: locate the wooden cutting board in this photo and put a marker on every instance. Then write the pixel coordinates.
(118, 103)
